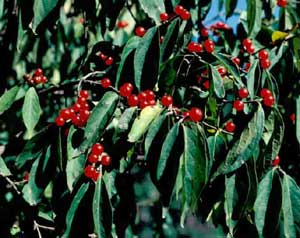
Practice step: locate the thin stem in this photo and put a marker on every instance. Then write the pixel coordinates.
(130, 12)
(50, 228)
(13, 185)
(91, 74)
(215, 128)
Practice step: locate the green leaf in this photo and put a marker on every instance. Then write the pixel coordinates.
(167, 148)
(8, 98)
(153, 130)
(243, 148)
(276, 54)
(146, 60)
(230, 6)
(31, 111)
(102, 212)
(218, 83)
(142, 123)
(298, 119)
(131, 45)
(231, 197)
(41, 9)
(195, 163)
(100, 118)
(153, 8)
(254, 13)
(73, 208)
(4, 171)
(262, 200)
(71, 151)
(251, 79)
(74, 170)
(170, 39)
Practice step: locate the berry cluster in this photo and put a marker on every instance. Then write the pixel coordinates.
(219, 26)
(268, 98)
(96, 157)
(281, 3)
(38, 77)
(182, 12)
(108, 60)
(238, 104)
(78, 113)
(264, 59)
(248, 46)
(209, 46)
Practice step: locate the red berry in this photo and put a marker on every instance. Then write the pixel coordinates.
(238, 105)
(97, 149)
(230, 126)
(77, 107)
(140, 31)
(109, 61)
(236, 60)
(206, 84)
(179, 9)
(166, 100)
(59, 121)
(95, 176)
(196, 114)
(186, 114)
(185, 15)
(103, 56)
(133, 100)
(37, 79)
(44, 79)
(152, 102)
(247, 66)
(105, 82)
(263, 54)
(265, 93)
(142, 96)
(243, 93)
(126, 89)
(89, 171)
(81, 100)
(122, 24)
(269, 101)
(161, 39)
(293, 117)
(250, 49)
(222, 71)
(105, 160)
(209, 46)
(38, 72)
(149, 95)
(93, 158)
(164, 16)
(76, 120)
(84, 94)
(84, 115)
(144, 104)
(65, 114)
(265, 63)
(26, 176)
(204, 32)
(247, 43)
(276, 161)
(195, 47)
(281, 3)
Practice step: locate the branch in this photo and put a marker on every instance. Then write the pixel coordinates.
(12, 184)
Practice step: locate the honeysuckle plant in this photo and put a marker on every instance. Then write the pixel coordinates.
(121, 115)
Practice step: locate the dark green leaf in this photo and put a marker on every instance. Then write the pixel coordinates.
(74, 170)
(4, 171)
(102, 212)
(31, 111)
(167, 149)
(218, 83)
(73, 208)
(254, 13)
(251, 79)
(276, 54)
(99, 118)
(142, 123)
(8, 98)
(146, 60)
(71, 151)
(153, 8)
(230, 6)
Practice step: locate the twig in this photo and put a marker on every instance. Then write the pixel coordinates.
(37, 227)
(9, 181)
(130, 12)
(91, 74)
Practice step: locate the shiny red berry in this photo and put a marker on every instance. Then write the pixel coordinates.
(166, 100)
(133, 100)
(179, 9)
(38, 72)
(105, 160)
(59, 121)
(276, 161)
(89, 171)
(164, 16)
(103, 56)
(77, 107)
(65, 113)
(265, 63)
(84, 94)
(238, 105)
(109, 61)
(209, 46)
(222, 71)
(247, 43)
(150, 95)
(250, 49)
(105, 82)
(269, 101)
(84, 115)
(236, 60)
(230, 126)
(122, 24)
(185, 15)
(126, 89)
(263, 54)
(142, 96)
(196, 114)
(93, 158)
(247, 66)
(204, 32)
(81, 100)
(95, 176)
(243, 93)
(140, 31)
(144, 104)
(281, 3)
(206, 84)
(293, 117)
(97, 149)
(265, 93)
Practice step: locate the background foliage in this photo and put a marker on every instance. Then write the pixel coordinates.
(165, 166)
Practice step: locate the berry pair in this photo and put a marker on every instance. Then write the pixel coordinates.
(195, 114)
(248, 46)
(268, 98)
(108, 60)
(78, 113)
(182, 12)
(37, 78)
(264, 59)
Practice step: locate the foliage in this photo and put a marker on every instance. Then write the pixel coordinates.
(184, 118)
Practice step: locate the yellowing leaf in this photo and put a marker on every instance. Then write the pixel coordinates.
(279, 35)
(213, 131)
